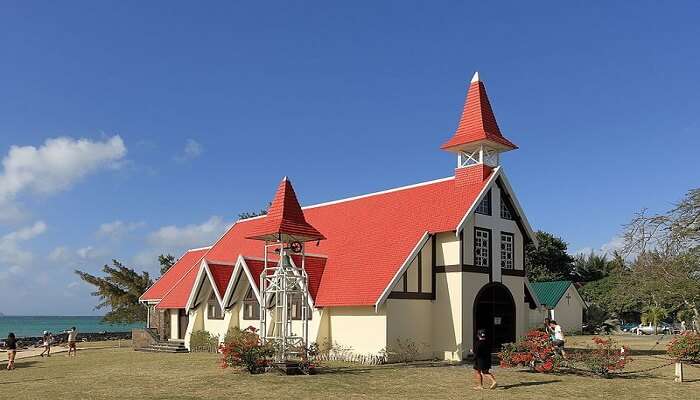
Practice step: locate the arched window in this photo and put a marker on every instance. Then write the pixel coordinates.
(251, 307)
(214, 310)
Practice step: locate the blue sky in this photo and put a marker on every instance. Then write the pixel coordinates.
(128, 129)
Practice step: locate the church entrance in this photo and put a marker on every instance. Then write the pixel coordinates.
(494, 311)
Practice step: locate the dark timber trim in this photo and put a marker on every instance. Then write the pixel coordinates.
(411, 295)
(513, 272)
(461, 268)
(420, 271)
(433, 263)
(405, 280)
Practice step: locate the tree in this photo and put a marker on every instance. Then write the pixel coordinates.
(549, 260)
(591, 267)
(119, 290)
(166, 261)
(666, 270)
(653, 315)
(253, 214)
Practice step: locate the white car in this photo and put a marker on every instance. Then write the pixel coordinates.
(649, 329)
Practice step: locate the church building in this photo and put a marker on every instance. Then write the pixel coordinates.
(431, 262)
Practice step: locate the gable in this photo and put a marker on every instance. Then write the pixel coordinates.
(167, 281)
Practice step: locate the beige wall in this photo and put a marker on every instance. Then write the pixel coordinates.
(402, 317)
(360, 328)
(447, 318)
(174, 324)
(569, 314)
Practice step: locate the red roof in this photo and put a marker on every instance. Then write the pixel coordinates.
(368, 237)
(178, 295)
(188, 260)
(477, 122)
(221, 275)
(313, 265)
(285, 218)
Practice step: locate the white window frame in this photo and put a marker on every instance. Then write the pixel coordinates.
(482, 242)
(507, 255)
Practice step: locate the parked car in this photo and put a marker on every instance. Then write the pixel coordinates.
(649, 329)
(629, 326)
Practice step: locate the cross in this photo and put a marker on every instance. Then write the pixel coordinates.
(568, 299)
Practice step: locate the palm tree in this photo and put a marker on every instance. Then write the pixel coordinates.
(654, 315)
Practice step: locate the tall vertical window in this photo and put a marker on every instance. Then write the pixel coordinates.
(507, 240)
(214, 310)
(506, 209)
(251, 307)
(482, 247)
(484, 206)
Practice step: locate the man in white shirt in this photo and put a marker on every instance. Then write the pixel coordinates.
(558, 337)
(72, 337)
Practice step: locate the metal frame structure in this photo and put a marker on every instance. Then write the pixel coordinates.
(280, 282)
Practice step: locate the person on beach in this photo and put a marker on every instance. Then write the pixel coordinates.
(482, 361)
(557, 337)
(46, 342)
(72, 336)
(11, 344)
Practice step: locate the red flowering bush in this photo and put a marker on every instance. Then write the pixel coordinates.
(685, 347)
(534, 351)
(244, 349)
(602, 359)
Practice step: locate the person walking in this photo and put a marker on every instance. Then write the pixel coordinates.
(482, 361)
(557, 337)
(11, 344)
(46, 342)
(72, 337)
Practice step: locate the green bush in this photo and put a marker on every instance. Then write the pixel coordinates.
(203, 341)
(244, 349)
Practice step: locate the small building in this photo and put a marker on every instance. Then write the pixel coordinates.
(560, 301)
(431, 262)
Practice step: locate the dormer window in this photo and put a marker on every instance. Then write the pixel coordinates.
(214, 310)
(484, 206)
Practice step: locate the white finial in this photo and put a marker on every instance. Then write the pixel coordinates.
(285, 179)
(475, 78)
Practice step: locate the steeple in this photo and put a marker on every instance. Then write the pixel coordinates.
(477, 140)
(285, 219)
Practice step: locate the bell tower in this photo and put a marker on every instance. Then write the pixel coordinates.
(477, 140)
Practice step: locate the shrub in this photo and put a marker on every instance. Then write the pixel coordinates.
(203, 341)
(243, 349)
(602, 359)
(405, 351)
(534, 351)
(685, 347)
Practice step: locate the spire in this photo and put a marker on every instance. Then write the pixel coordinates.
(478, 124)
(285, 218)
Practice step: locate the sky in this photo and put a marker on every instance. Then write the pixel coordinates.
(130, 129)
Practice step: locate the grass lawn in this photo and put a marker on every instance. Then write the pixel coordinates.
(121, 373)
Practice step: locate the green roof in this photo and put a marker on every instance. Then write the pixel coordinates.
(549, 293)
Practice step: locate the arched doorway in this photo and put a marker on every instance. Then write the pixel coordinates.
(494, 311)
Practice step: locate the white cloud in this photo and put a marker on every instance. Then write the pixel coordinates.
(191, 151)
(14, 260)
(59, 254)
(52, 167)
(194, 235)
(117, 229)
(175, 240)
(89, 253)
(614, 244)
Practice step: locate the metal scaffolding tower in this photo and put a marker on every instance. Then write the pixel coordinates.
(283, 286)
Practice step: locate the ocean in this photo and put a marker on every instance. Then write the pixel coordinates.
(35, 325)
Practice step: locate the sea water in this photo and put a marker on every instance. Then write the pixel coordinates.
(24, 326)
